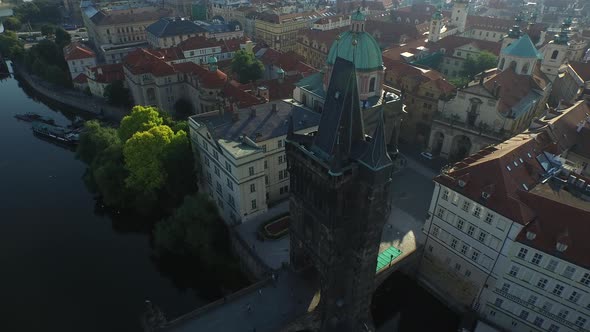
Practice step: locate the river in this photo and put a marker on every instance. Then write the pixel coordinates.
(65, 265)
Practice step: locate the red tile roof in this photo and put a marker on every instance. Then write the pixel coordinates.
(582, 69)
(107, 73)
(76, 51)
(142, 61)
(241, 97)
(81, 79)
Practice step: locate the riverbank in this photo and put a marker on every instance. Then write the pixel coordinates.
(70, 98)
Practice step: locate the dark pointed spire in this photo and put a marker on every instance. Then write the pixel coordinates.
(336, 162)
(376, 156)
(341, 115)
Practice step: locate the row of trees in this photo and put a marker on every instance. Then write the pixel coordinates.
(38, 12)
(146, 165)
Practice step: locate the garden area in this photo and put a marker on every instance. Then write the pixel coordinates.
(275, 229)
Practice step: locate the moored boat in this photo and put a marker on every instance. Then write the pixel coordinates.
(56, 133)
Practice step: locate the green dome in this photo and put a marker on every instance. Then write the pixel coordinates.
(212, 60)
(357, 16)
(367, 53)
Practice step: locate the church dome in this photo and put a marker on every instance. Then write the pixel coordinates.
(357, 46)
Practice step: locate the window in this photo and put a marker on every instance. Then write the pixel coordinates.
(266, 180)
(209, 177)
(227, 167)
(542, 283)
(216, 155)
(440, 212)
(280, 143)
(524, 314)
(457, 266)
(435, 231)
(253, 204)
(558, 290)
(470, 230)
(547, 306)
(585, 279)
(581, 321)
(253, 187)
(460, 224)
(537, 259)
(532, 299)
(216, 171)
(264, 148)
(574, 297)
(563, 313)
(251, 170)
(465, 206)
(445, 195)
(207, 161)
(569, 272)
(265, 164)
(522, 253)
(231, 200)
(372, 84)
(454, 243)
(467, 273)
(538, 321)
(464, 249)
(230, 185)
(514, 271)
(482, 236)
(219, 187)
(552, 265)
(281, 160)
(477, 211)
(506, 287)
(498, 302)
(554, 55)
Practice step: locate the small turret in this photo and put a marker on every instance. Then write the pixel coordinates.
(357, 21)
(212, 61)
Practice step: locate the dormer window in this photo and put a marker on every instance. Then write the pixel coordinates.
(561, 247)
(461, 183)
(530, 235)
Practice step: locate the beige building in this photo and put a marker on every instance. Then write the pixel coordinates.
(78, 57)
(498, 239)
(280, 31)
(242, 156)
(116, 30)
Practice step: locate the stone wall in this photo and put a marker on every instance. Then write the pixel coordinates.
(250, 263)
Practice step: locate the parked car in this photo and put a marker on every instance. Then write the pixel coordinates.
(427, 155)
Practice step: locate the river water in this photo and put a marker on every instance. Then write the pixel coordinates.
(65, 265)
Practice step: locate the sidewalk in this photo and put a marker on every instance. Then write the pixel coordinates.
(273, 252)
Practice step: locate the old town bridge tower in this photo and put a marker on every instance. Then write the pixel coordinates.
(340, 185)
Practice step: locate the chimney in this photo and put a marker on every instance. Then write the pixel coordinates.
(274, 108)
(252, 112)
(263, 92)
(99, 70)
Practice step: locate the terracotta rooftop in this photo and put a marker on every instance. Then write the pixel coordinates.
(107, 73)
(512, 168)
(582, 69)
(81, 79)
(77, 51)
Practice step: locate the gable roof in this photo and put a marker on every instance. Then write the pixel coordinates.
(76, 51)
(171, 26)
(523, 48)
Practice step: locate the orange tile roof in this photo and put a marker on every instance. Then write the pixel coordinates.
(76, 51)
(81, 79)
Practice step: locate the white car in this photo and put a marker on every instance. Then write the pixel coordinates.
(427, 155)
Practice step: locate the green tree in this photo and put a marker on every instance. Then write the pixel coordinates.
(143, 154)
(12, 23)
(62, 37)
(475, 65)
(192, 229)
(247, 66)
(10, 45)
(179, 165)
(183, 108)
(47, 29)
(109, 174)
(117, 94)
(94, 140)
(459, 82)
(142, 118)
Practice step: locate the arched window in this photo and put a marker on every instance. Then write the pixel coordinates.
(513, 64)
(372, 84)
(502, 63)
(554, 55)
(525, 68)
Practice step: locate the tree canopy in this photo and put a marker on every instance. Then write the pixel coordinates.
(247, 66)
(192, 229)
(46, 60)
(38, 11)
(147, 159)
(142, 118)
(12, 23)
(475, 65)
(117, 94)
(10, 45)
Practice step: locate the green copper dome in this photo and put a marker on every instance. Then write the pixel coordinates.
(357, 16)
(366, 55)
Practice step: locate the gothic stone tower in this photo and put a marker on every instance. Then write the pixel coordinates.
(340, 185)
